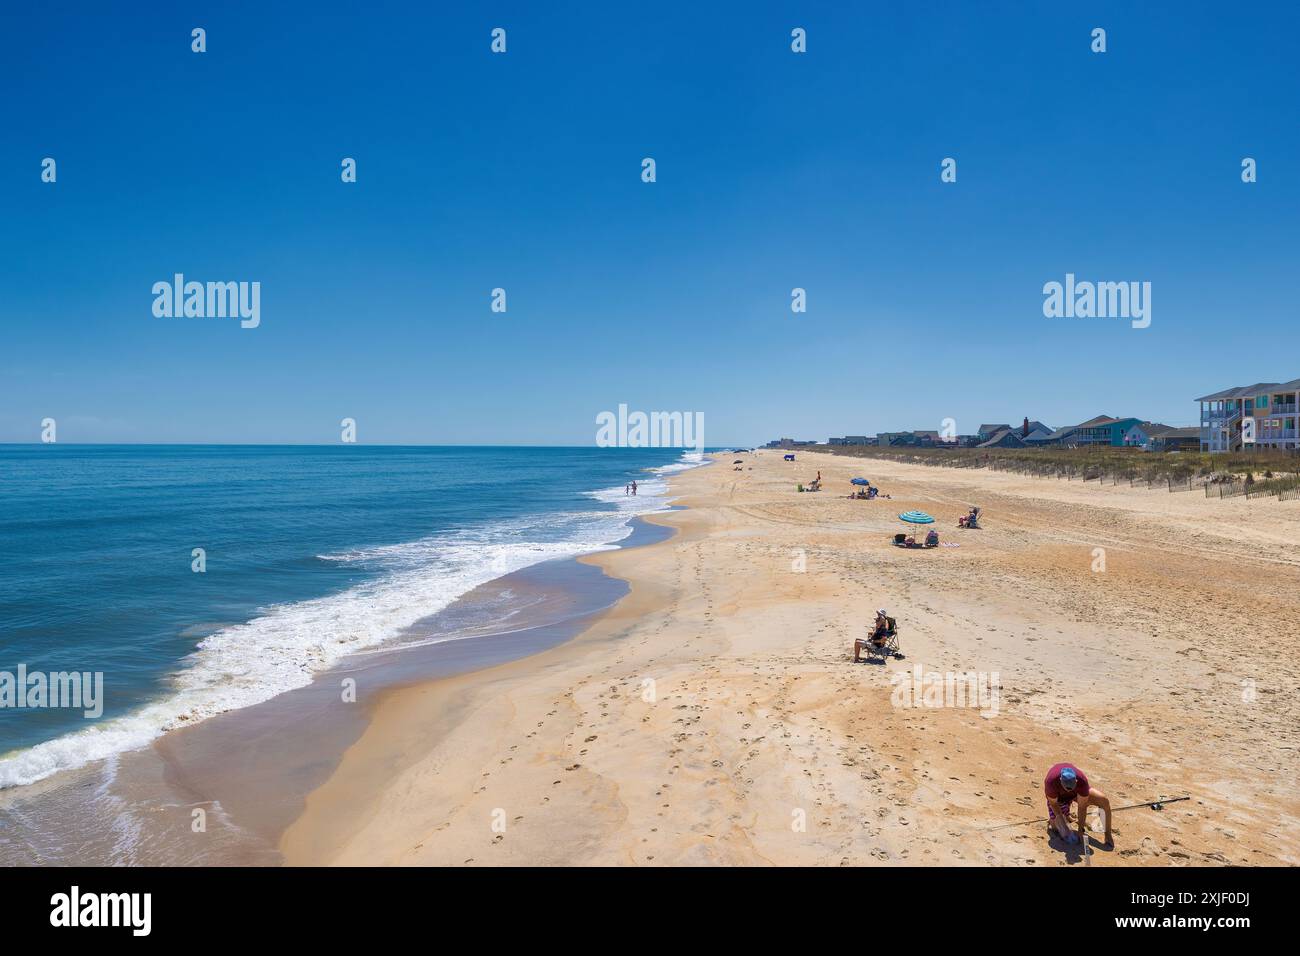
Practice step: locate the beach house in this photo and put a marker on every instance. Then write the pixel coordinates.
(1152, 436)
(1178, 439)
(1026, 433)
(1103, 430)
(1003, 438)
(1061, 438)
(1140, 435)
(1271, 405)
(988, 431)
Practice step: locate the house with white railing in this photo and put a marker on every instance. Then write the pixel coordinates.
(1272, 408)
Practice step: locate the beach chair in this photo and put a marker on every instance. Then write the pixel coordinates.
(889, 646)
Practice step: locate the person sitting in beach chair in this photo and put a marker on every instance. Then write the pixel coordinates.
(932, 539)
(971, 520)
(883, 637)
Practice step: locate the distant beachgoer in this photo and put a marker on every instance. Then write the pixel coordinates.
(634, 487)
(880, 630)
(1064, 784)
(627, 489)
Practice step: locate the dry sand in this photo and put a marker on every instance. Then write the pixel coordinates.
(1173, 671)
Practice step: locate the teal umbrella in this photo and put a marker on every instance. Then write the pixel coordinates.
(916, 517)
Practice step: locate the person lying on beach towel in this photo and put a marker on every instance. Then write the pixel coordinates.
(1064, 784)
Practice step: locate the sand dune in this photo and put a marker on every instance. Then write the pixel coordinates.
(713, 716)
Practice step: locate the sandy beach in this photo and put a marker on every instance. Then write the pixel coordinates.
(713, 715)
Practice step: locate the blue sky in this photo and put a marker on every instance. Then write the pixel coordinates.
(522, 170)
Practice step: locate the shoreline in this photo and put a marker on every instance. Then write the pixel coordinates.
(404, 718)
(757, 718)
(250, 769)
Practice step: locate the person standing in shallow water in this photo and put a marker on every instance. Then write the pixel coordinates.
(634, 487)
(627, 489)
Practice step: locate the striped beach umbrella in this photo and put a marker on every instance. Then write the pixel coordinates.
(916, 517)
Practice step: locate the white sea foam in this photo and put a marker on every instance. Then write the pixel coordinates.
(283, 648)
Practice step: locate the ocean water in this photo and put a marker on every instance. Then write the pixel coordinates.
(312, 554)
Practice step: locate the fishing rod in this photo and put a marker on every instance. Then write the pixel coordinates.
(1153, 804)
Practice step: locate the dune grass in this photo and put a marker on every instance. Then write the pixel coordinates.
(1259, 472)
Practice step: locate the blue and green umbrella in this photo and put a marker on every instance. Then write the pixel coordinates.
(916, 517)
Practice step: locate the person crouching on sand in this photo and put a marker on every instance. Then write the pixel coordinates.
(1064, 784)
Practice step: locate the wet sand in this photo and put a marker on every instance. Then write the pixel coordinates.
(713, 715)
(223, 791)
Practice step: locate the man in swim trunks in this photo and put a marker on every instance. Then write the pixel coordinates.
(1064, 784)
